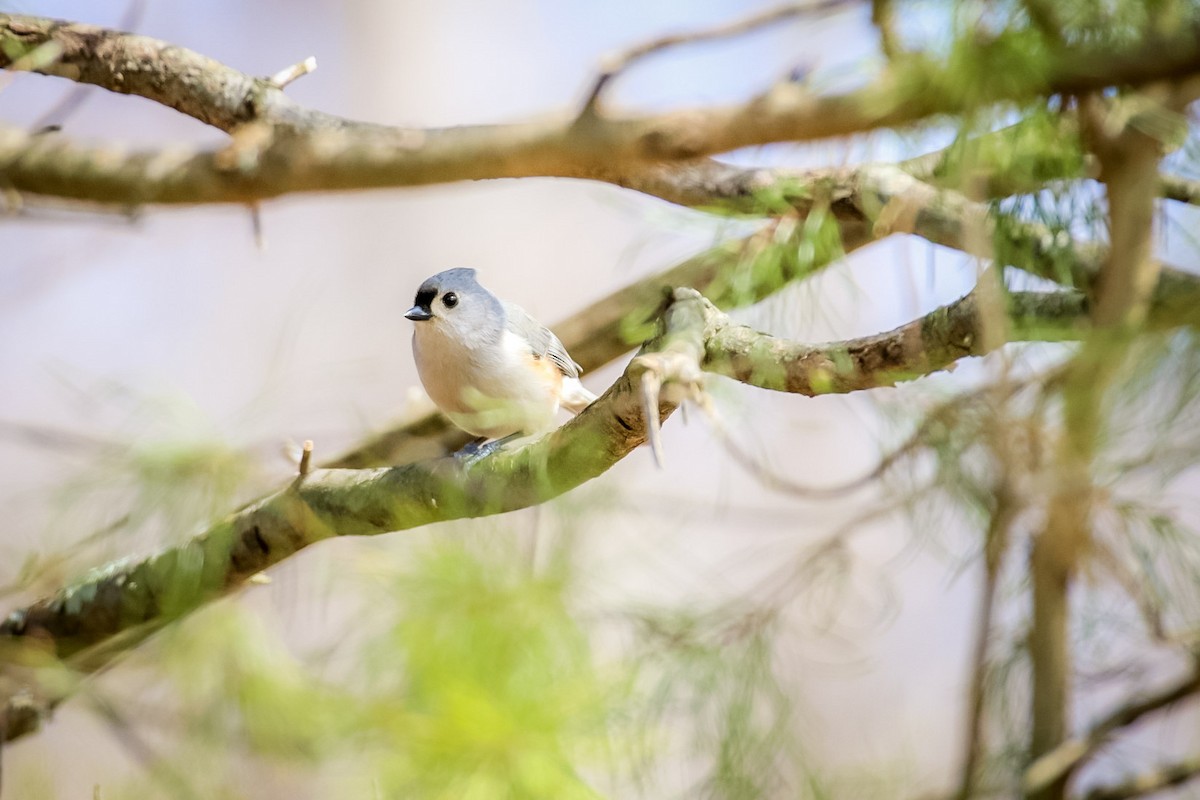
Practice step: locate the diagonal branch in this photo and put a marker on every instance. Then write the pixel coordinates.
(1179, 188)
(91, 622)
(1150, 782)
(1071, 754)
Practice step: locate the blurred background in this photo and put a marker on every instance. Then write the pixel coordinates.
(157, 369)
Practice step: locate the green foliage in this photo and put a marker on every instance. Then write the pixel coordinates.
(475, 677)
(713, 692)
(483, 685)
(1059, 215)
(160, 481)
(786, 250)
(29, 57)
(238, 683)
(478, 682)
(1019, 158)
(172, 470)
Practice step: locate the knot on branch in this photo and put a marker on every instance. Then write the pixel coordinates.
(247, 144)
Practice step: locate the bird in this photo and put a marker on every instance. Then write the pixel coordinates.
(490, 367)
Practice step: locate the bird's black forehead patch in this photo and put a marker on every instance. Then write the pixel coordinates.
(425, 297)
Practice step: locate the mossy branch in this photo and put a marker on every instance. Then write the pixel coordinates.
(90, 622)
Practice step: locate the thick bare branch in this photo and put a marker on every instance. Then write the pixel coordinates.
(313, 151)
(296, 151)
(174, 76)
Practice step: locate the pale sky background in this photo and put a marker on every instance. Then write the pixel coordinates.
(105, 324)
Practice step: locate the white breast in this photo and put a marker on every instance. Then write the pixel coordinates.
(491, 391)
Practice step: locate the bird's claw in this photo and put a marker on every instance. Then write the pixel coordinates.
(473, 451)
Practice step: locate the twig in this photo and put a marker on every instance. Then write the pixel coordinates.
(614, 64)
(780, 483)
(676, 364)
(256, 226)
(883, 17)
(1073, 753)
(1142, 784)
(1180, 189)
(288, 74)
(141, 750)
(995, 548)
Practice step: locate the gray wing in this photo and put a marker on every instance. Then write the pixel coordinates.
(542, 342)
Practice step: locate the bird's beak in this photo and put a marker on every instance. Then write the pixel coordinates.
(418, 313)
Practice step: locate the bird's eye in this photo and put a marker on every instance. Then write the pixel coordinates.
(450, 299)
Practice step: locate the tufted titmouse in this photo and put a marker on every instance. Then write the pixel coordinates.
(491, 368)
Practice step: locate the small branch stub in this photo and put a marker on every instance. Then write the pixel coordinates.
(256, 226)
(306, 457)
(288, 74)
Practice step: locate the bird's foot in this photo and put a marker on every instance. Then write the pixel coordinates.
(473, 451)
(481, 448)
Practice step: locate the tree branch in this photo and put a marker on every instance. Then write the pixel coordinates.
(313, 151)
(929, 344)
(896, 202)
(858, 198)
(295, 155)
(90, 622)
(1155, 780)
(1071, 754)
(1180, 189)
(611, 327)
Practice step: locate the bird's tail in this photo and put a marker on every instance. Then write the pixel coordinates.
(574, 395)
